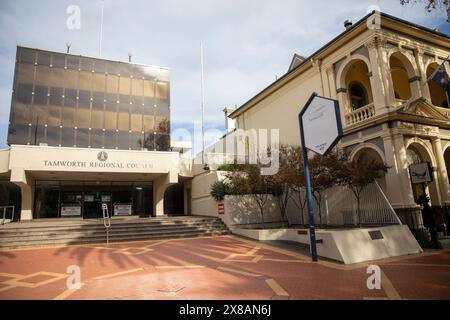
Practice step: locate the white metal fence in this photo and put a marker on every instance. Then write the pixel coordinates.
(339, 207)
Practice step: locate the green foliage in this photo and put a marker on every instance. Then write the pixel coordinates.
(431, 5)
(225, 167)
(219, 190)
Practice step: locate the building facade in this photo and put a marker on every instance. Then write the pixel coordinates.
(391, 110)
(85, 132)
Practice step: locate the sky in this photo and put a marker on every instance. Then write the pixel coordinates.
(247, 43)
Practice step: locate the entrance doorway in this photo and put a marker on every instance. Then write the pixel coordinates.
(71, 199)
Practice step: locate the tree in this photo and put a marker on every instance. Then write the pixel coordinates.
(431, 5)
(247, 180)
(357, 175)
(284, 180)
(325, 173)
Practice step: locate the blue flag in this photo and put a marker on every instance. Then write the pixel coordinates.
(441, 77)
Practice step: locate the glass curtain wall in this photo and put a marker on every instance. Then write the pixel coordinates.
(73, 101)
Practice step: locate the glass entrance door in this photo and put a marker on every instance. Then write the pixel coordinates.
(93, 200)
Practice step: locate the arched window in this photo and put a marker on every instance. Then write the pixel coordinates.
(437, 93)
(358, 96)
(413, 156)
(400, 77)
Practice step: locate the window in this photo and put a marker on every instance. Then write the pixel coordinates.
(40, 95)
(27, 55)
(58, 61)
(24, 93)
(73, 63)
(56, 96)
(358, 96)
(70, 98)
(84, 101)
(44, 58)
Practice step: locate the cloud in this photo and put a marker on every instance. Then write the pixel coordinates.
(247, 43)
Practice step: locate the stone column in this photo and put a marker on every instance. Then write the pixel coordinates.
(424, 90)
(376, 77)
(441, 170)
(26, 185)
(160, 186)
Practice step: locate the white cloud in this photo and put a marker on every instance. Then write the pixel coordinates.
(246, 43)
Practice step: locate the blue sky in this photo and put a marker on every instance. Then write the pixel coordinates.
(247, 43)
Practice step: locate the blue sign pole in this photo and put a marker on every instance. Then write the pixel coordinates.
(309, 198)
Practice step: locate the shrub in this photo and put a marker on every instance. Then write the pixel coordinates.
(219, 190)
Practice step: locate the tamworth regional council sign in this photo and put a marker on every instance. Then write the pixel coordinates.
(320, 131)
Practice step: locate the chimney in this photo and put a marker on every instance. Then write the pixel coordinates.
(229, 123)
(348, 24)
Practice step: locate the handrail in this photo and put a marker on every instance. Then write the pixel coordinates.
(106, 221)
(4, 213)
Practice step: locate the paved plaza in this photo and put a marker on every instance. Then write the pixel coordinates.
(223, 268)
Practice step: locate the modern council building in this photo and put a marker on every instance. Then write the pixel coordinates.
(85, 132)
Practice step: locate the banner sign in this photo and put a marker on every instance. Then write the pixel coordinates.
(122, 210)
(70, 210)
(421, 173)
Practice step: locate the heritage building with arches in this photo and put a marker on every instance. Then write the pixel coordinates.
(378, 70)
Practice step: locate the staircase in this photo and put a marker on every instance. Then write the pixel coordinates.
(60, 232)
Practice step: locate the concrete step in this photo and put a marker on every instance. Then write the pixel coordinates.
(101, 233)
(119, 228)
(102, 240)
(79, 232)
(99, 223)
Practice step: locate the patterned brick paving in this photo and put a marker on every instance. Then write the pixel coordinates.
(212, 268)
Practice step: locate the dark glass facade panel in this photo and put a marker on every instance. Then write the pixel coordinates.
(82, 138)
(96, 139)
(110, 139)
(24, 93)
(137, 140)
(73, 63)
(18, 134)
(44, 58)
(56, 96)
(58, 60)
(123, 140)
(86, 64)
(54, 136)
(40, 95)
(88, 102)
(27, 55)
(100, 66)
(84, 100)
(70, 98)
(68, 137)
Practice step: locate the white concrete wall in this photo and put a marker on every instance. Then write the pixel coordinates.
(4, 161)
(241, 210)
(347, 246)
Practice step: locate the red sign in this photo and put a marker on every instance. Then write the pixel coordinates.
(221, 208)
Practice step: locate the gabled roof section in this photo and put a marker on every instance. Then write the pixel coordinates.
(422, 108)
(296, 61)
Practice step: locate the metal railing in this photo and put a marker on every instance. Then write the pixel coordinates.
(339, 207)
(106, 221)
(4, 210)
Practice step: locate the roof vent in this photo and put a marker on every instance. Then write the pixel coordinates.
(348, 24)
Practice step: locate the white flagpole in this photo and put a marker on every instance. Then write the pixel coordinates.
(202, 103)
(101, 29)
